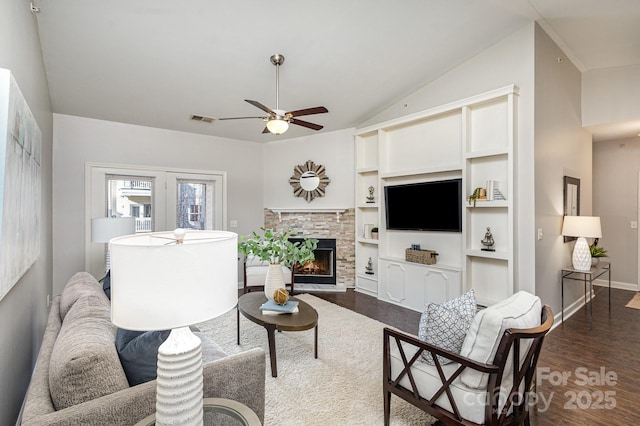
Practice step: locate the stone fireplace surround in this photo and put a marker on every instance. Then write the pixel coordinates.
(312, 224)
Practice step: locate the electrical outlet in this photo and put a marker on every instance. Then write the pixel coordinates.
(540, 234)
(233, 223)
(634, 224)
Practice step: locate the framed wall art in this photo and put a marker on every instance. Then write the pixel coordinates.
(20, 184)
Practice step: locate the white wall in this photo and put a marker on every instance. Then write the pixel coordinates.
(562, 147)
(616, 165)
(509, 61)
(334, 150)
(611, 95)
(23, 311)
(80, 140)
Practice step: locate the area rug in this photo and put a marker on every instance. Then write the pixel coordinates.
(343, 387)
(635, 302)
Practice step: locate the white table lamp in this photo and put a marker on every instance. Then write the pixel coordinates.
(582, 227)
(105, 228)
(170, 280)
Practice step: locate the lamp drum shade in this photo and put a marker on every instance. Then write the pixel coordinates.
(158, 283)
(105, 228)
(582, 226)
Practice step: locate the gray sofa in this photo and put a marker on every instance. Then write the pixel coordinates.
(78, 378)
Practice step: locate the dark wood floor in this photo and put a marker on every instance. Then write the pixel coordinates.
(601, 367)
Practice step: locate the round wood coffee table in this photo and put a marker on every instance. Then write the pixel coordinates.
(305, 319)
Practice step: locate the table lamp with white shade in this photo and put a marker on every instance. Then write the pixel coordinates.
(582, 227)
(171, 280)
(104, 229)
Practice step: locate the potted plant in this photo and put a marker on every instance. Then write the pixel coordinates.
(275, 247)
(374, 232)
(477, 194)
(596, 253)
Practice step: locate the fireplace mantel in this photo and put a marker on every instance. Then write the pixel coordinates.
(336, 211)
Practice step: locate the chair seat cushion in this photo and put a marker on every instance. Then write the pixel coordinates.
(445, 325)
(471, 402)
(521, 310)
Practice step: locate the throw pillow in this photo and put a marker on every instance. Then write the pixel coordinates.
(138, 352)
(446, 325)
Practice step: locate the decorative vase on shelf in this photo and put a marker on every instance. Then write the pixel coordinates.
(595, 261)
(274, 280)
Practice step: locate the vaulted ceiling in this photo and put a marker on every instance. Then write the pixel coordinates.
(158, 62)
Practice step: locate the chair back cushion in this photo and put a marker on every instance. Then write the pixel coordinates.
(521, 310)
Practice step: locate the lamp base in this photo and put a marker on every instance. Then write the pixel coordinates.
(179, 387)
(581, 255)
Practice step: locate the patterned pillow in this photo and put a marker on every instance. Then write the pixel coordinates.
(446, 325)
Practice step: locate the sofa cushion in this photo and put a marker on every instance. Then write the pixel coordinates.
(84, 363)
(80, 284)
(521, 310)
(138, 352)
(445, 325)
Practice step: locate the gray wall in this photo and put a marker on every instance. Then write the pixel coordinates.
(616, 165)
(562, 147)
(80, 140)
(23, 311)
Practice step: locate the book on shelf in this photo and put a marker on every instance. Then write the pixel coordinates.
(288, 308)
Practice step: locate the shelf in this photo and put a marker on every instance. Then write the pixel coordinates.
(367, 170)
(368, 205)
(486, 153)
(367, 241)
(429, 170)
(488, 204)
(336, 211)
(499, 255)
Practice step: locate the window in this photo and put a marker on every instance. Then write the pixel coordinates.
(160, 200)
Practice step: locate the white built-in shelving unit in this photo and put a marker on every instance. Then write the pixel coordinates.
(472, 139)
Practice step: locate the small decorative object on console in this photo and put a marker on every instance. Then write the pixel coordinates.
(488, 241)
(426, 257)
(280, 296)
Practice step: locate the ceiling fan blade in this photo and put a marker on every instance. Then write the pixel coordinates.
(307, 111)
(306, 124)
(236, 118)
(259, 105)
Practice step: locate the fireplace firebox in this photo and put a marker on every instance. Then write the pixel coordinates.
(321, 270)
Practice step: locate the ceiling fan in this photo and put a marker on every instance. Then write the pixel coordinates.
(278, 120)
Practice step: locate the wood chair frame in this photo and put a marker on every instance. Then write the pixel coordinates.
(516, 408)
(247, 288)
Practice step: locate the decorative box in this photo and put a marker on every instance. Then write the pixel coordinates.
(426, 257)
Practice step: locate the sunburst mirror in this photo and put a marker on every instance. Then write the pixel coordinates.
(309, 181)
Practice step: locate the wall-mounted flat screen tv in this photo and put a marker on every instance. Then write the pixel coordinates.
(425, 206)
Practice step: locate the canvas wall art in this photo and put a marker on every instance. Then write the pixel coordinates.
(20, 184)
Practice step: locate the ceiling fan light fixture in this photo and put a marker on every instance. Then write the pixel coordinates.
(277, 126)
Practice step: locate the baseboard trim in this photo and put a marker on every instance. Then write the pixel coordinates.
(617, 284)
(572, 309)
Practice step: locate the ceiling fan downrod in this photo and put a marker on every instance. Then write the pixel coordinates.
(277, 60)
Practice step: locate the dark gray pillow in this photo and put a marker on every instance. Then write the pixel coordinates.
(138, 352)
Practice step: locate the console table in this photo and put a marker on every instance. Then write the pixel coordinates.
(569, 273)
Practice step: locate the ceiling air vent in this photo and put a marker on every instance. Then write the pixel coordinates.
(202, 118)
